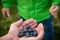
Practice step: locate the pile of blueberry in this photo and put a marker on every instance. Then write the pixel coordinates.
(28, 32)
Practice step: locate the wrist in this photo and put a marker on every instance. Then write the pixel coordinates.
(13, 36)
(6, 37)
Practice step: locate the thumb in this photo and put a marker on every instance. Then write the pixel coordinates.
(18, 23)
(40, 30)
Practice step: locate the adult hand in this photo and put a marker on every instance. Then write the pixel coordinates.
(16, 27)
(30, 22)
(40, 30)
(13, 31)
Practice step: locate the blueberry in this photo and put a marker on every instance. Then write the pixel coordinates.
(31, 34)
(24, 30)
(30, 30)
(27, 26)
(21, 34)
(34, 30)
(27, 34)
(35, 33)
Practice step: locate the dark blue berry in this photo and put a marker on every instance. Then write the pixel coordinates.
(27, 34)
(31, 33)
(21, 34)
(30, 29)
(27, 26)
(35, 33)
(24, 30)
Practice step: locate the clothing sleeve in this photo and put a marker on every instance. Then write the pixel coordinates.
(55, 2)
(7, 3)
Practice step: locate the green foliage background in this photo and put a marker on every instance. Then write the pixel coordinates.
(6, 22)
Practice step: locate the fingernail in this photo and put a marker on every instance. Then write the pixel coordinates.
(21, 19)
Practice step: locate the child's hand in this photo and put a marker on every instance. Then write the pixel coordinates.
(5, 12)
(54, 10)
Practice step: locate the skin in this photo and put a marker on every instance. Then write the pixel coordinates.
(54, 10)
(40, 36)
(6, 10)
(17, 26)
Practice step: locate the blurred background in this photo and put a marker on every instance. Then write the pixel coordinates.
(6, 22)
